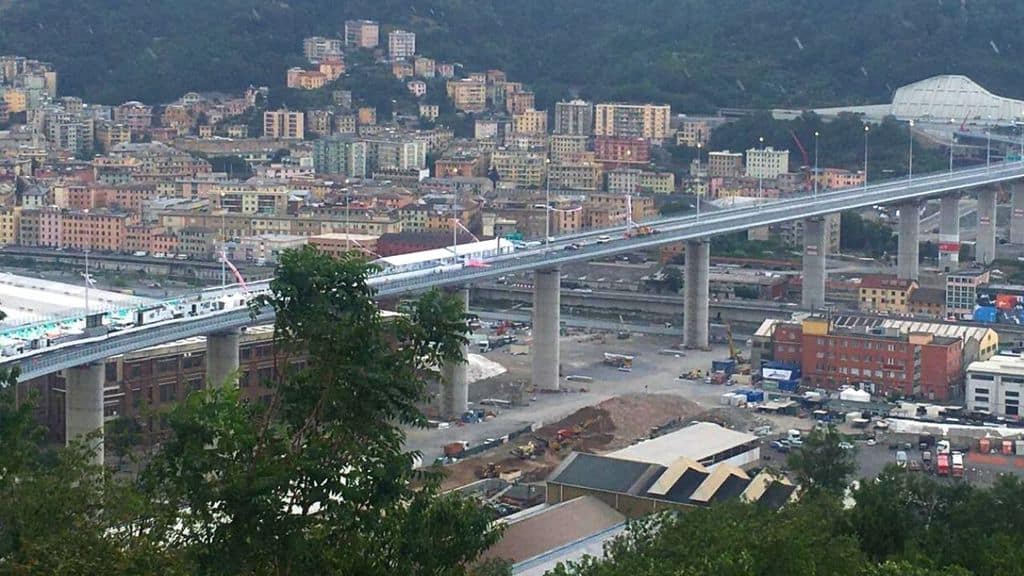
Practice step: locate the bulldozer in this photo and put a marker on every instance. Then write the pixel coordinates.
(490, 470)
(525, 451)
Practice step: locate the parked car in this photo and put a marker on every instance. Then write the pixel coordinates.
(846, 446)
(780, 445)
(901, 459)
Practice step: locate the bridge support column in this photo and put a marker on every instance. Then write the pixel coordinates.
(547, 304)
(83, 406)
(1017, 215)
(986, 246)
(222, 358)
(454, 385)
(695, 294)
(815, 254)
(908, 257)
(949, 232)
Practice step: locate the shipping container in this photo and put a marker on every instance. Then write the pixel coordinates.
(789, 385)
(728, 366)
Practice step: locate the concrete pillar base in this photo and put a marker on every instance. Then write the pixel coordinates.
(547, 303)
(986, 245)
(454, 384)
(83, 406)
(696, 294)
(949, 232)
(222, 358)
(815, 274)
(908, 253)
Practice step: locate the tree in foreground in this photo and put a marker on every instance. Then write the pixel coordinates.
(315, 481)
(822, 465)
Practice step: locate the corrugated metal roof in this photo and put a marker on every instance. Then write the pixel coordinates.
(600, 472)
(697, 442)
(954, 97)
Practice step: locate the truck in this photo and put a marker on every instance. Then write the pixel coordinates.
(640, 231)
(727, 365)
(942, 464)
(455, 449)
(618, 360)
(958, 465)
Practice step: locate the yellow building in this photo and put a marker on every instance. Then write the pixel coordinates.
(658, 182)
(564, 145)
(519, 167)
(10, 220)
(581, 176)
(16, 100)
(468, 95)
(649, 121)
(885, 294)
(530, 122)
(284, 125)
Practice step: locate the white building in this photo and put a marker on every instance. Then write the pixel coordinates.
(994, 386)
(767, 162)
(401, 44)
(624, 181)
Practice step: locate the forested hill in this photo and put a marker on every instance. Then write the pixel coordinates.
(695, 54)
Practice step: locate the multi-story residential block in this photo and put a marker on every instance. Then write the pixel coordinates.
(725, 164)
(647, 121)
(624, 181)
(574, 118)
(461, 163)
(319, 122)
(15, 99)
(613, 209)
(657, 182)
(417, 88)
(342, 99)
(575, 176)
(493, 129)
(929, 302)
(692, 132)
(239, 131)
(300, 79)
(564, 146)
(110, 134)
(519, 167)
(791, 233)
(446, 70)
(366, 116)
(70, 133)
(882, 360)
(396, 154)
(401, 44)
(879, 293)
(362, 34)
(345, 123)
(424, 67)
(317, 48)
(836, 178)
(430, 112)
(468, 95)
(250, 198)
(530, 122)
(520, 101)
(337, 155)
(10, 224)
(614, 151)
(136, 115)
(962, 290)
(767, 162)
(402, 69)
(995, 386)
(284, 125)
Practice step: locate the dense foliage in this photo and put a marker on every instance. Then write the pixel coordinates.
(693, 54)
(314, 481)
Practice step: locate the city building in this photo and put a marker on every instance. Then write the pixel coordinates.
(402, 69)
(340, 155)
(284, 125)
(362, 34)
(530, 122)
(880, 359)
(927, 302)
(657, 182)
(424, 67)
(994, 386)
(725, 164)
(10, 223)
(136, 115)
(575, 176)
(648, 121)
(316, 48)
(519, 167)
(838, 178)
(337, 244)
(693, 131)
(614, 151)
(520, 101)
(574, 118)
(962, 290)
(624, 181)
(563, 147)
(880, 293)
(401, 44)
(300, 79)
(417, 88)
(468, 95)
(767, 162)
(429, 112)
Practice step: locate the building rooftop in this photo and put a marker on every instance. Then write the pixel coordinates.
(967, 272)
(999, 364)
(697, 442)
(886, 282)
(928, 296)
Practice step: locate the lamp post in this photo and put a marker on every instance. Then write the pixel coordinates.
(547, 202)
(816, 134)
(87, 247)
(988, 144)
(867, 130)
(699, 150)
(910, 162)
(348, 203)
(952, 142)
(223, 247)
(760, 173)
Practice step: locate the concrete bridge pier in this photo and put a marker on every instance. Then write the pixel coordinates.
(547, 304)
(986, 245)
(949, 232)
(814, 272)
(83, 406)
(696, 294)
(222, 358)
(1017, 214)
(908, 252)
(454, 384)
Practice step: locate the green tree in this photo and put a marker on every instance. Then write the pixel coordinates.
(822, 465)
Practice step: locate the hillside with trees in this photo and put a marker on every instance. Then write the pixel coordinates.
(694, 54)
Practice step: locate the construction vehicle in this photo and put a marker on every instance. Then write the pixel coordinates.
(618, 360)
(525, 451)
(623, 333)
(489, 470)
(693, 374)
(640, 231)
(734, 352)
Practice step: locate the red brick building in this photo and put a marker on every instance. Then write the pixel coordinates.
(915, 364)
(615, 152)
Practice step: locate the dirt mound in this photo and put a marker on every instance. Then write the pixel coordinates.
(592, 419)
(634, 415)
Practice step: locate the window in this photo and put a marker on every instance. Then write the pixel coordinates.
(986, 377)
(167, 393)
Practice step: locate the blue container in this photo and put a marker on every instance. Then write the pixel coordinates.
(986, 314)
(728, 366)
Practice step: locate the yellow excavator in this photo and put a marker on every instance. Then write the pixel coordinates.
(734, 353)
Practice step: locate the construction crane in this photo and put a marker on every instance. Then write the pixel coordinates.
(803, 151)
(734, 353)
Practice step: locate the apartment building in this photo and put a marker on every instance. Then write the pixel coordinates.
(300, 79)
(401, 44)
(725, 164)
(10, 223)
(881, 293)
(994, 386)
(468, 95)
(584, 176)
(424, 67)
(624, 181)
(362, 34)
(575, 118)
(342, 156)
(520, 101)
(962, 290)
(648, 121)
(530, 122)
(251, 198)
(519, 167)
(615, 151)
(692, 132)
(284, 125)
(136, 115)
(429, 112)
(767, 162)
(317, 48)
(110, 134)
(642, 207)
(564, 146)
